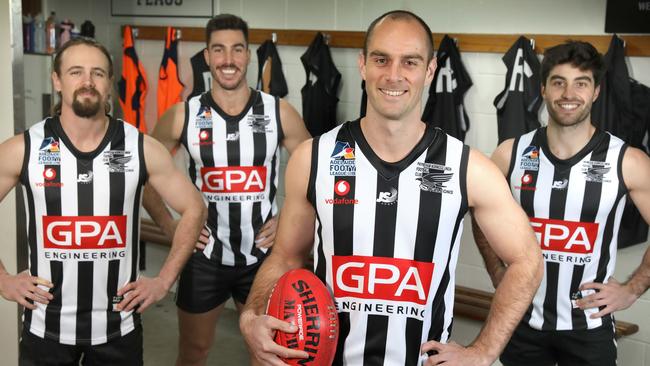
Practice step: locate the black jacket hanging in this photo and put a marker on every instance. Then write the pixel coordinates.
(620, 109)
(518, 104)
(444, 107)
(270, 78)
(201, 77)
(319, 97)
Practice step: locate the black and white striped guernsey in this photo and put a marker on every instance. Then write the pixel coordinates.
(234, 162)
(575, 208)
(386, 241)
(83, 229)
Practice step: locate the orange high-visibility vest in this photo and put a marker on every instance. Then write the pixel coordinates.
(133, 84)
(169, 85)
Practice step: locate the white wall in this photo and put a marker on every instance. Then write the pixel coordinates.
(9, 310)
(452, 16)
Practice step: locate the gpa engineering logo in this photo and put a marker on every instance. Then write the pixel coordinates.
(259, 123)
(49, 153)
(234, 183)
(203, 117)
(380, 285)
(565, 241)
(530, 159)
(342, 160)
(432, 177)
(84, 232)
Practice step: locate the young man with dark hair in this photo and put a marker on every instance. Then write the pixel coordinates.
(233, 136)
(572, 179)
(82, 172)
(385, 199)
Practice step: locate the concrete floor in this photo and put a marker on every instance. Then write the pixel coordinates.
(161, 337)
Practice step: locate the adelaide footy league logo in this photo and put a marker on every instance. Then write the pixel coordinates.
(49, 153)
(342, 160)
(530, 158)
(203, 117)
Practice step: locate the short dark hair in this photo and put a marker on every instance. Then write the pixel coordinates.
(582, 55)
(58, 59)
(400, 15)
(225, 22)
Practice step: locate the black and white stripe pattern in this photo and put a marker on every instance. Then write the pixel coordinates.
(74, 186)
(250, 140)
(577, 192)
(395, 218)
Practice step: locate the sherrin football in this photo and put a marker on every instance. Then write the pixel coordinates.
(300, 298)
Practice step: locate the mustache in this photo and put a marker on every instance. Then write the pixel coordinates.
(228, 66)
(90, 90)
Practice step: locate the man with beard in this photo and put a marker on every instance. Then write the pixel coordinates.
(381, 202)
(232, 135)
(83, 172)
(572, 179)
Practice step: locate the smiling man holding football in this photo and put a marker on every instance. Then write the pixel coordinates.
(382, 209)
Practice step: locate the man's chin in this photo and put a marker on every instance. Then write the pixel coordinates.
(85, 111)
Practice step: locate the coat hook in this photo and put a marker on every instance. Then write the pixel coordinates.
(134, 32)
(274, 37)
(179, 33)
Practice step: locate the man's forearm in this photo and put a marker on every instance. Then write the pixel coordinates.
(493, 263)
(155, 206)
(640, 279)
(272, 269)
(511, 299)
(184, 239)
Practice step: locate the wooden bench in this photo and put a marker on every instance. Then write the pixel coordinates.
(475, 304)
(470, 303)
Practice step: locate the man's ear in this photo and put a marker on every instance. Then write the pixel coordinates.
(362, 65)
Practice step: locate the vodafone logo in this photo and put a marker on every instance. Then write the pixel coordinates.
(565, 236)
(84, 232)
(204, 135)
(341, 188)
(526, 179)
(233, 179)
(381, 278)
(49, 174)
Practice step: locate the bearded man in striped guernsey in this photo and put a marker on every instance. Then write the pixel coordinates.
(82, 172)
(382, 209)
(573, 179)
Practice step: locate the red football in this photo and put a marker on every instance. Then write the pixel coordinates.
(300, 298)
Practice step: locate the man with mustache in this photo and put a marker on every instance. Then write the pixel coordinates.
(83, 172)
(572, 179)
(232, 134)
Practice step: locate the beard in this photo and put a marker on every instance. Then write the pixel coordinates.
(565, 121)
(85, 107)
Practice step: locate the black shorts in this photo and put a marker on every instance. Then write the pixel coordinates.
(37, 351)
(206, 284)
(588, 347)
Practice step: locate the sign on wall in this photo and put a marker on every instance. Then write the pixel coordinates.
(163, 8)
(627, 16)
